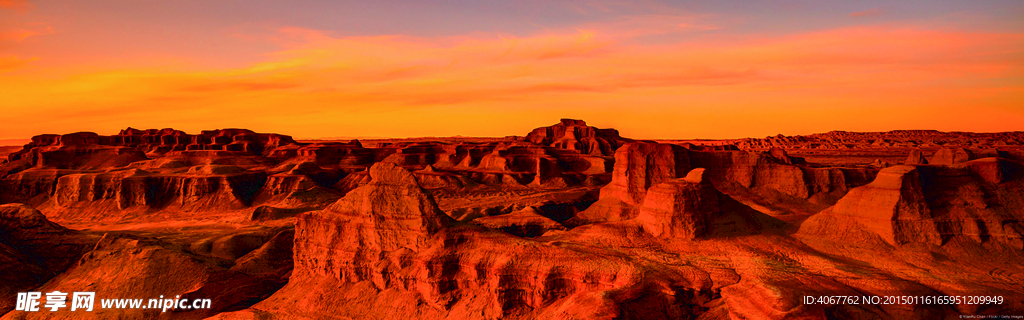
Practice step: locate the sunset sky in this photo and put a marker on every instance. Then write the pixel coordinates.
(696, 69)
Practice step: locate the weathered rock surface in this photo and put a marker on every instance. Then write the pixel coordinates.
(931, 205)
(271, 261)
(679, 208)
(390, 214)
(638, 166)
(407, 250)
(571, 134)
(122, 266)
(915, 157)
(33, 250)
(134, 173)
(893, 207)
(570, 222)
(946, 156)
(772, 179)
(526, 222)
(891, 139)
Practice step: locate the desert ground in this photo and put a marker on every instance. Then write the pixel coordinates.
(568, 221)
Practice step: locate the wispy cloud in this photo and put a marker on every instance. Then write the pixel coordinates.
(11, 62)
(18, 34)
(11, 37)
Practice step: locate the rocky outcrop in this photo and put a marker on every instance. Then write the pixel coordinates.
(135, 267)
(781, 156)
(526, 222)
(840, 140)
(692, 229)
(892, 207)
(27, 230)
(995, 170)
(292, 187)
(390, 215)
(430, 178)
(388, 241)
(771, 177)
(679, 208)
(327, 153)
(155, 141)
(777, 183)
(638, 166)
(931, 205)
(32, 187)
(272, 260)
(915, 157)
(570, 134)
(114, 195)
(108, 171)
(946, 156)
(33, 250)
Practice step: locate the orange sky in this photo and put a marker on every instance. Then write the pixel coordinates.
(650, 75)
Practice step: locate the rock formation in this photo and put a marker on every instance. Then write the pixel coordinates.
(892, 139)
(679, 208)
(915, 157)
(571, 134)
(946, 156)
(569, 222)
(33, 250)
(527, 222)
(774, 179)
(638, 166)
(390, 215)
(122, 266)
(892, 206)
(930, 205)
(387, 240)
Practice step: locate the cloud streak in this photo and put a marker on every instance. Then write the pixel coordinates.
(19, 34)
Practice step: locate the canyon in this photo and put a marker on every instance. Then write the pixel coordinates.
(569, 221)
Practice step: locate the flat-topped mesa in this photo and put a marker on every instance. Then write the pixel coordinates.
(160, 141)
(165, 140)
(120, 194)
(345, 154)
(571, 134)
(81, 150)
(348, 240)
